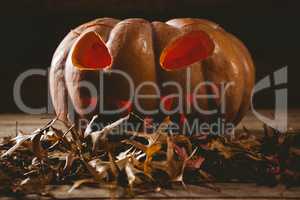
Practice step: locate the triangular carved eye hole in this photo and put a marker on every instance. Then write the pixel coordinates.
(187, 49)
(91, 53)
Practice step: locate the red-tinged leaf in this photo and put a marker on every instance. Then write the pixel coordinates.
(195, 163)
(181, 152)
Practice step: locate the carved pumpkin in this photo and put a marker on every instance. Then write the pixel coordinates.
(157, 52)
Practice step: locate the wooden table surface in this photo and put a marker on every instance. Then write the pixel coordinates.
(28, 123)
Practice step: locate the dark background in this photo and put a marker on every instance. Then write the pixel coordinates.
(32, 29)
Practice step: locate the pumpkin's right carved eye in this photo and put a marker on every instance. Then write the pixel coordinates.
(91, 53)
(187, 49)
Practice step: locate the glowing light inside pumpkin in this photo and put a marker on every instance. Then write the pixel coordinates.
(91, 52)
(188, 49)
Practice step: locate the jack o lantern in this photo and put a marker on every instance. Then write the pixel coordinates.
(184, 52)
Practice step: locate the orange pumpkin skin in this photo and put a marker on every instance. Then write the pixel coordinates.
(138, 47)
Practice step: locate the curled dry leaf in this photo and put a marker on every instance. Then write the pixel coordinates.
(20, 139)
(219, 146)
(102, 134)
(70, 158)
(132, 172)
(192, 163)
(37, 148)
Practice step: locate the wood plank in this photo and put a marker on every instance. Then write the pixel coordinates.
(227, 191)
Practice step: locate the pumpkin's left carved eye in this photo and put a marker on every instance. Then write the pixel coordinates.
(187, 49)
(91, 53)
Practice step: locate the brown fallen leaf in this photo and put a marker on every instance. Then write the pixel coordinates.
(19, 140)
(37, 148)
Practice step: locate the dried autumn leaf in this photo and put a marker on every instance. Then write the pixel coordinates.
(150, 151)
(100, 169)
(171, 166)
(249, 143)
(98, 172)
(70, 158)
(190, 163)
(131, 172)
(89, 129)
(124, 154)
(20, 139)
(101, 135)
(166, 123)
(136, 144)
(113, 166)
(37, 148)
(218, 145)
